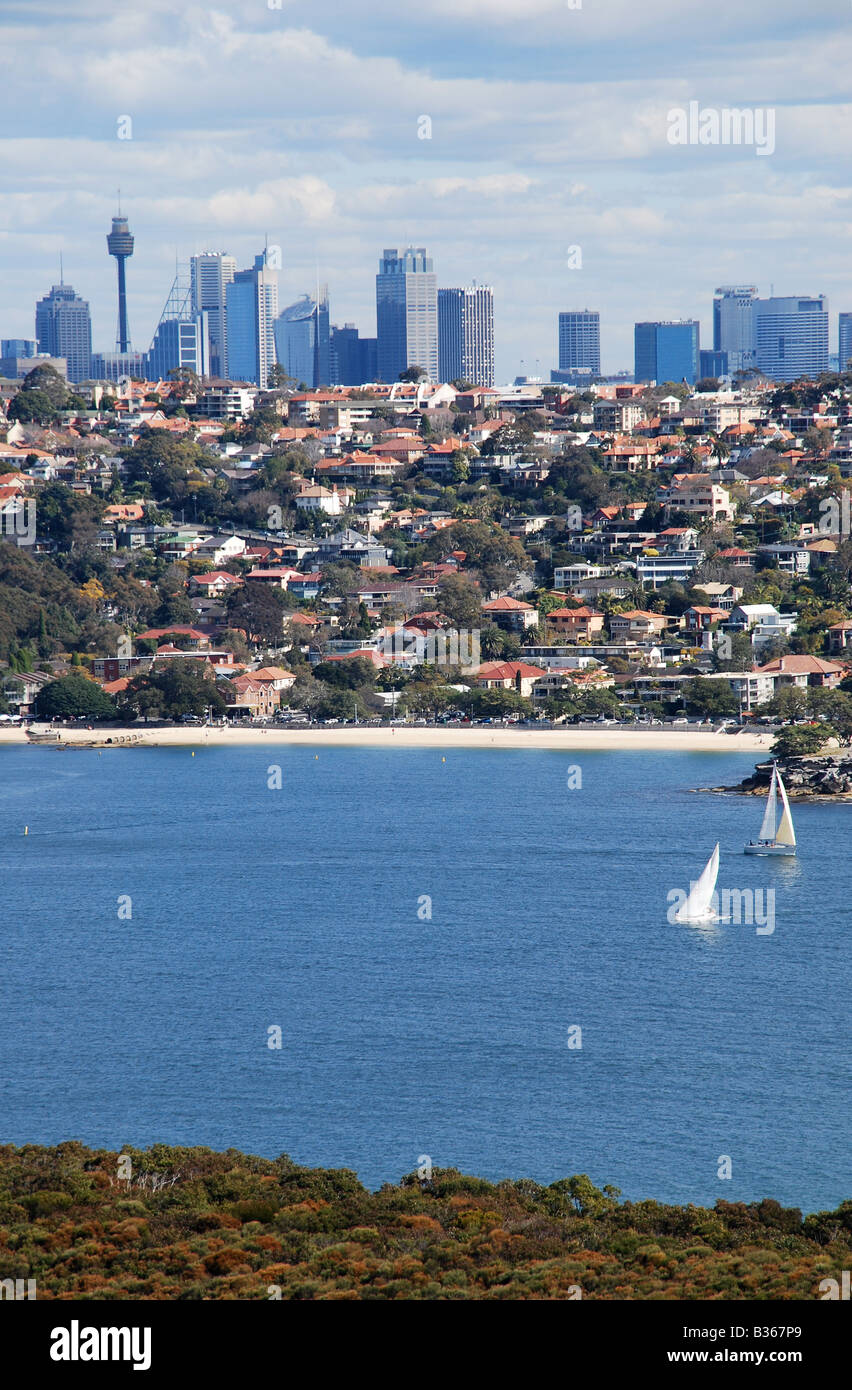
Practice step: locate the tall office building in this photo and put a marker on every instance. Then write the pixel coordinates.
(210, 274)
(120, 245)
(63, 328)
(112, 366)
(666, 351)
(182, 335)
(734, 325)
(713, 363)
(352, 359)
(302, 339)
(791, 334)
(16, 368)
(406, 313)
(580, 341)
(251, 308)
(26, 347)
(844, 340)
(466, 335)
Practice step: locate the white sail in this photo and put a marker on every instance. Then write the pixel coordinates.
(786, 835)
(697, 906)
(767, 829)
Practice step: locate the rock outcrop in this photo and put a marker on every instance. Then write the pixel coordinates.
(806, 778)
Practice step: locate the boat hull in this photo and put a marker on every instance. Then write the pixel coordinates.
(771, 851)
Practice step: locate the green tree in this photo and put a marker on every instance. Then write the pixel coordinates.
(173, 688)
(74, 697)
(484, 703)
(460, 466)
(260, 610)
(32, 408)
(351, 674)
(46, 378)
(710, 698)
(797, 742)
(788, 703)
(460, 599)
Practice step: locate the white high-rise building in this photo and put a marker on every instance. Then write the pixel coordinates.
(210, 274)
(791, 332)
(466, 335)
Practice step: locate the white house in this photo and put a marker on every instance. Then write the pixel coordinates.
(315, 498)
(761, 621)
(219, 549)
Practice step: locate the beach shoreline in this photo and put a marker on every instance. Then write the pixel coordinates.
(567, 738)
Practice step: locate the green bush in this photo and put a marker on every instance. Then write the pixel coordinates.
(43, 1203)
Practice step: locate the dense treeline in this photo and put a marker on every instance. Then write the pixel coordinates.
(188, 1223)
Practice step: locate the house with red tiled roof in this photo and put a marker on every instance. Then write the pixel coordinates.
(214, 582)
(636, 625)
(509, 675)
(123, 511)
(252, 698)
(14, 482)
(736, 556)
(193, 637)
(701, 618)
(804, 671)
(510, 613)
(368, 653)
(277, 676)
(840, 637)
(279, 576)
(578, 624)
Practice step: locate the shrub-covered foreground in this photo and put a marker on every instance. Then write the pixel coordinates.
(191, 1223)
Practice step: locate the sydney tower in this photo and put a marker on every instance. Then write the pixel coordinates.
(120, 244)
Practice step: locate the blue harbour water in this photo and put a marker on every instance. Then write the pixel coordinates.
(305, 908)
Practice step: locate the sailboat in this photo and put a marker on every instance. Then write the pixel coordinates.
(698, 906)
(780, 838)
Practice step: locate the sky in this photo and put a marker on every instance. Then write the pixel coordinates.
(549, 130)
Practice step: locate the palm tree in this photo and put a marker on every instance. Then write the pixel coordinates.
(719, 448)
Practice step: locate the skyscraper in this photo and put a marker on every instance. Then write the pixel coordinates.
(352, 359)
(63, 328)
(112, 366)
(580, 341)
(713, 363)
(666, 351)
(251, 308)
(302, 340)
(182, 335)
(120, 245)
(26, 347)
(211, 273)
(734, 325)
(844, 339)
(466, 335)
(406, 313)
(791, 333)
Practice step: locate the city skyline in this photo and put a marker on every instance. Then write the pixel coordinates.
(731, 307)
(516, 166)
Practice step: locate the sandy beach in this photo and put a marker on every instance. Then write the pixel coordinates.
(602, 740)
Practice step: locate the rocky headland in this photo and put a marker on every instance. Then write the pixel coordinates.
(816, 777)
